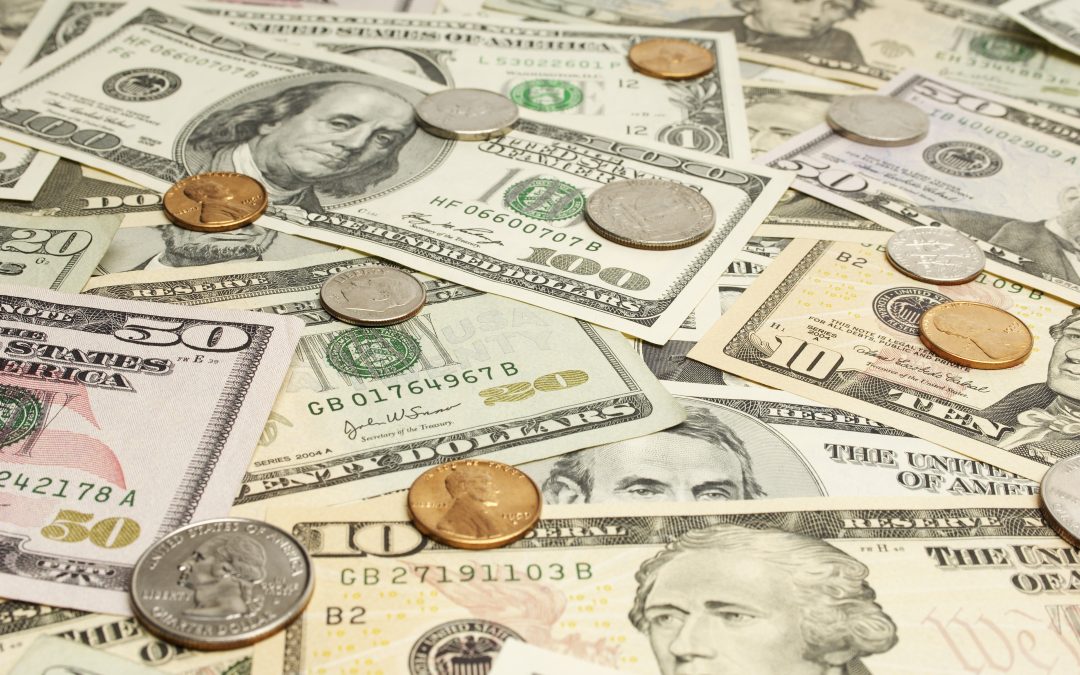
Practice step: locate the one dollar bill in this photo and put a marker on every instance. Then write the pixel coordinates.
(121, 422)
(366, 410)
(504, 216)
(788, 586)
(835, 322)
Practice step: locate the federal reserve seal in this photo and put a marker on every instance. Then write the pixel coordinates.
(901, 308)
(463, 646)
(545, 199)
(547, 95)
(20, 414)
(372, 352)
(141, 84)
(964, 159)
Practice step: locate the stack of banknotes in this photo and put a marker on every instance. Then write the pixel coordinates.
(765, 472)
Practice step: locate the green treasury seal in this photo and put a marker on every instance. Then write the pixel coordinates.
(20, 414)
(372, 352)
(545, 199)
(547, 95)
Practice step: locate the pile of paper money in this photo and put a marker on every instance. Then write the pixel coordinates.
(772, 304)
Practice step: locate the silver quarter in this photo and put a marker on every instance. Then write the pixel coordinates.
(1060, 495)
(373, 296)
(650, 214)
(877, 120)
(936, 255)
(221, 584)
(467, 114)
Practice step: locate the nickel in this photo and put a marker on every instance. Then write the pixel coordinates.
(975, 335)
(649, 214)
(215, 202)
(936, 255)
(877, 120)
(373, 296)
(474, 504)
(221, 584)
(671, 59)
(467, 114)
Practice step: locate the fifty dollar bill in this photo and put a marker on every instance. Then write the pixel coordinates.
(87, 484)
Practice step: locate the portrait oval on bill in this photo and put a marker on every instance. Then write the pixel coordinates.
(316, 142)
(717, 454)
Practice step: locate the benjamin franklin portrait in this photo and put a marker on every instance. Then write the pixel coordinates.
(316, 141)
(730, 599)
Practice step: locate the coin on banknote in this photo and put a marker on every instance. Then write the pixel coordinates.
(975, 335)
(215, 202)
(373, 296)
(467, 114)
(221, 584)
(671, 59)
(936, 255)
(650, 214)
(877, 120)
(474, 503)
(1060, 494)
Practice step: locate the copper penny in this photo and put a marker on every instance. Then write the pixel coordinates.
(474, 503)
(671, 59)
(975, 335)
(215, 202)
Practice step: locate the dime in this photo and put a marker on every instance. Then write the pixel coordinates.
(877, 120)
(1060, 493)
(936, 255)
(467, 114)
(650, 214)
(373, 296)
(671, 59)
(221, 584)
(215, 202)
(474, 503)
(975, 335)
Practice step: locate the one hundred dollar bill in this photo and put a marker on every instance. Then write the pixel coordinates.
(23, 171)
(504, 215)
(579, 71)
(835, 322)
(55, 253)
(1055, 20)
(866, 43)
(55, 656)
(784, 586)
(122, 421)
(743, 443)
(23, 624)
(366, 410)
(973, 172)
